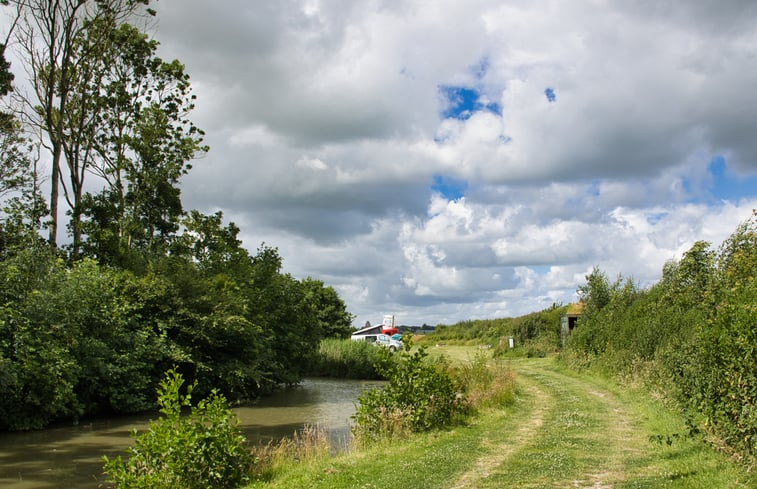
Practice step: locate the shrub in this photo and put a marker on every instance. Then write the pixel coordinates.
(204, 449)
(419, 396)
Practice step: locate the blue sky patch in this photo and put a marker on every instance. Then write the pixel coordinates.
(726, 185)
(449, 188)
(595, 188)
(462, 102)
(550, 93)
(541, 270)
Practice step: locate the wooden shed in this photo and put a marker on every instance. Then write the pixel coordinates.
(569, 319)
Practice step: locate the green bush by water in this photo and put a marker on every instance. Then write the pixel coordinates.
(200, 450)
(419, 396)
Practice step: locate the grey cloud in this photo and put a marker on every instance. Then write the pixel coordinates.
(710, 17)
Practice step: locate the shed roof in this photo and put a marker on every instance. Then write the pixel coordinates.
(575, 309)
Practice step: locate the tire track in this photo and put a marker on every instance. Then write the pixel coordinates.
(498, 453)
(578, 435)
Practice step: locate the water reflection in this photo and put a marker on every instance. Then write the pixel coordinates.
(69, 457)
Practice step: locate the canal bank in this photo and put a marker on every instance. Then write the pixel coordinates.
(69, 457)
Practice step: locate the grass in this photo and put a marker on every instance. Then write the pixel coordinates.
(309, 445)
(600, 435)
(564, 429)
(428, 460)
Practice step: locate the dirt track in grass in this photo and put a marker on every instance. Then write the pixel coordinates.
(576, 434)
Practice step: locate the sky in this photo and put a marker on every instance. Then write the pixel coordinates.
(443, 160)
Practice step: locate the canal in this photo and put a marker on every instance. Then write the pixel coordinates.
(69, 457)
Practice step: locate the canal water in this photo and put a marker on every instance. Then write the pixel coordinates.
(69, 457)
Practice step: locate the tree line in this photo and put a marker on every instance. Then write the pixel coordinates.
(141, 285)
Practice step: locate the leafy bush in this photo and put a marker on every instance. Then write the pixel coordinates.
(715, 372)
(85, 338)
(204, 449)
(38, 373)
(419, 396)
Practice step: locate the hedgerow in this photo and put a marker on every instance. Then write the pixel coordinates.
(693, 335)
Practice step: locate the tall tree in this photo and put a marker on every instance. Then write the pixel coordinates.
(331, 312)
(11, 163)
(143, 141)
(47, 34)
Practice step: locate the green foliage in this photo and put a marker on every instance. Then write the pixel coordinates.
(203, 449)
(692, 335)
(282, 307)
(331, 311)
(91, 338)
(6, 76)
(419, 396)
(140, 137)
(146, 285)
(347, 359)
(607, 306)
(78, 341)
(37, 370)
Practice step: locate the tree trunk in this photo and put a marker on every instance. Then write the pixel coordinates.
(54, 178)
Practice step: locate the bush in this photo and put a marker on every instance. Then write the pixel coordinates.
(204, 449)
(420, 396)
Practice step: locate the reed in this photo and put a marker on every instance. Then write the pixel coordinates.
(346, 359)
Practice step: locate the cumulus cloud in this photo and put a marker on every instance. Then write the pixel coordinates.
(450, 160)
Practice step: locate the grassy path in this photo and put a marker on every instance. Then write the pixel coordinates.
(565, 431)
(498, 453)
(587, 438)
(593, 435)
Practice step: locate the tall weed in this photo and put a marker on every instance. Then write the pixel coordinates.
(486, 382)
(305, 445)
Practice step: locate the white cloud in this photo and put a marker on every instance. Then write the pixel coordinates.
(324, 123)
